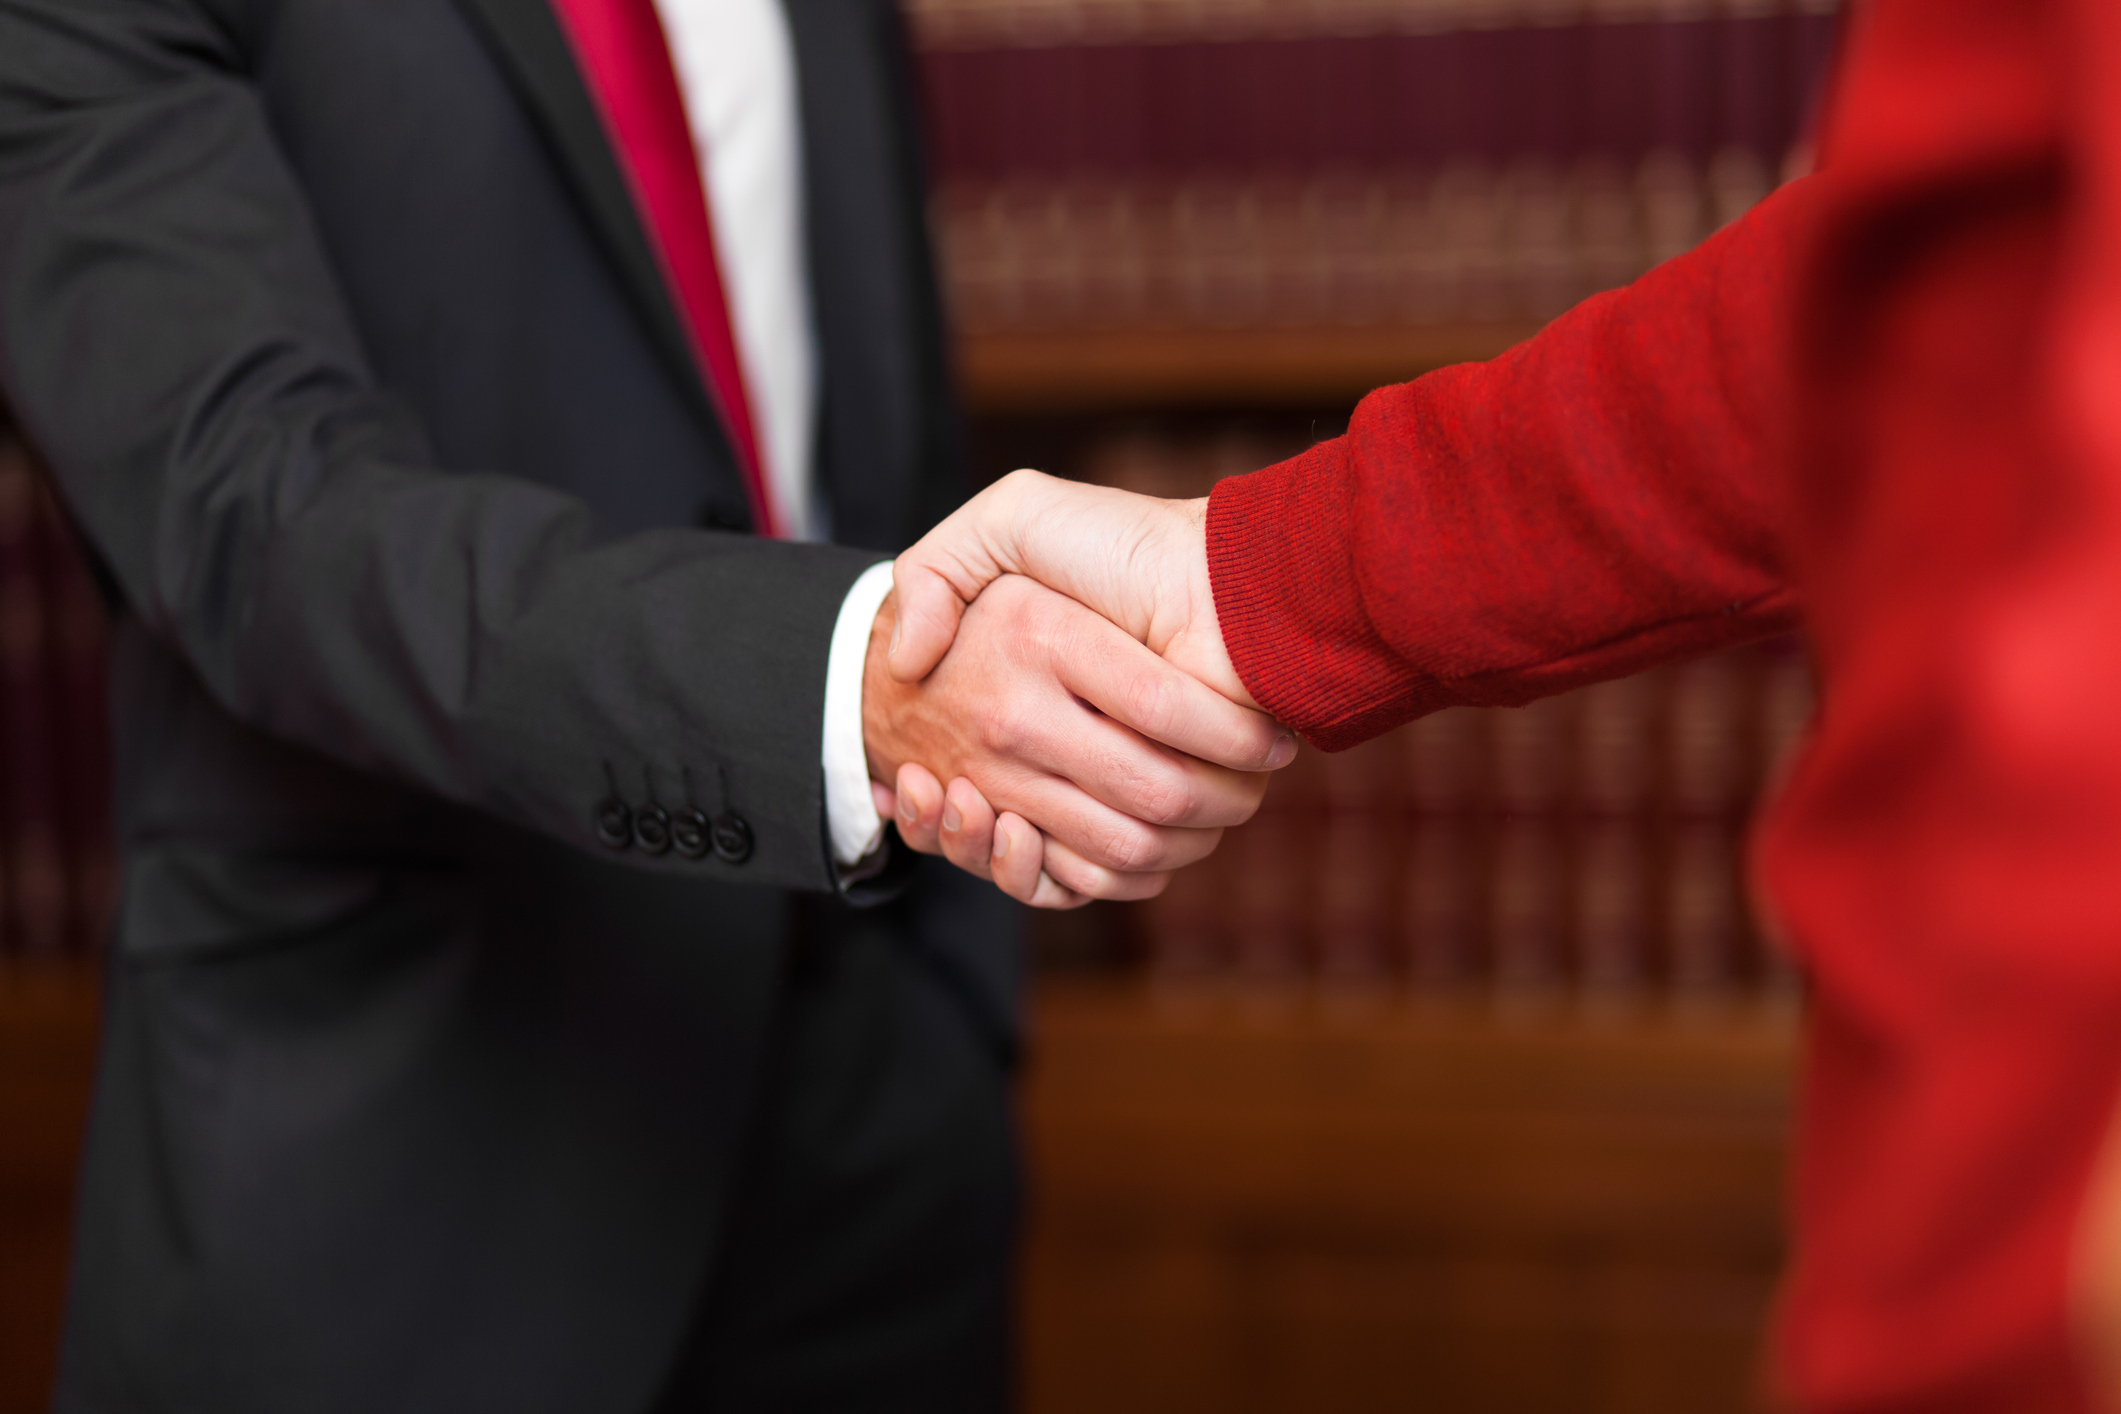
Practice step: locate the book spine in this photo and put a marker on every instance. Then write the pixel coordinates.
(1272, 859)
(1754, 124)
(1787, 702)
(1615, 779)
(1440, 782)
(1531, 775)
(1357, 852)
(1187, 930)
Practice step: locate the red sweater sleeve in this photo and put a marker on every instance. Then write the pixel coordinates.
(1598, 499)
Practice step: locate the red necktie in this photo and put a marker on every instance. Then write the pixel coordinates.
(623, 54)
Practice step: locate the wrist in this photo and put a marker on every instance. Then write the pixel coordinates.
(883, 697)
(1197, 645)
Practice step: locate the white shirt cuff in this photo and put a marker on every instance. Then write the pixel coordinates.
(850, 809)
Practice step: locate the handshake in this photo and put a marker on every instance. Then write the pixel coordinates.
(1052, 652)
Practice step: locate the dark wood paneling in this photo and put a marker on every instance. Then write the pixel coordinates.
(48, 1021)
(1276, 1204)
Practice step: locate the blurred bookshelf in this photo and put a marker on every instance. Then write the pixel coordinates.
(1460, 1078)
(1280, 1199)
(1020, 373)
(1288, 201)
(56, 876)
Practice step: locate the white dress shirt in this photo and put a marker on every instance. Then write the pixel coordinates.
(735, 66)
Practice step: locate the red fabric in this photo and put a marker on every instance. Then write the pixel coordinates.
(1888, 404)
(625, 58)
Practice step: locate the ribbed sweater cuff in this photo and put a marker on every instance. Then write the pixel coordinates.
(1282, 559)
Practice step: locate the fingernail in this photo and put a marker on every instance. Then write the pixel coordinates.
(1283, 753)
(1001, 843)
(905, 807)
(897, 631)
(952, 821)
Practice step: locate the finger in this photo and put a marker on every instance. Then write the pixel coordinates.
(1138, 689)
(968, 829)
(1019, 848)
(1054, 896)
(949, 566)
(1038, 680)
(886, 799)
(920, 809)
(1016, 859)
(1072, 872)
(928, 612)
(1113, 839)
(1123, 770)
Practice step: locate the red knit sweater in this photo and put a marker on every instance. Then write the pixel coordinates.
(1886, 406)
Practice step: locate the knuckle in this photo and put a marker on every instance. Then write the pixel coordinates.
(1046, 625)
(1152, 704)
(1167, 801)
(1091, 881)
(1131, 849)
(1006, 729)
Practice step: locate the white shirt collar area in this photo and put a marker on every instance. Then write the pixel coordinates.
(735, 63)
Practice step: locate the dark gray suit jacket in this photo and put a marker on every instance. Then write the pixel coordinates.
(350, 356)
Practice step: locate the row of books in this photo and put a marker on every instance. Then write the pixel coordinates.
(1588, 848)
(1299, 102)
(1221, 163)
(987, 23)
(1467, 243)
(56, 871)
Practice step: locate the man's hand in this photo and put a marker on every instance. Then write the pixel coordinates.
(1139, 561)
(1106, 766)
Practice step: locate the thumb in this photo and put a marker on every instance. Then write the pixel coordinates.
(943, 573)
(928, 611)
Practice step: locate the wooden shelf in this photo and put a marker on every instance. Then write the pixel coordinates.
(49, 1019)
(1091, 370)
(1272, 1203)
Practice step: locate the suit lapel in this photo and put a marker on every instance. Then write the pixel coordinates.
(527, 36)
(869, 279)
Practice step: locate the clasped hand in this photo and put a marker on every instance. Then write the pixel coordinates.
(1052, 652)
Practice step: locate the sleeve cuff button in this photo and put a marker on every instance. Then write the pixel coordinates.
(692, 834)
(651, 830)
(615, 823)
(732, 838)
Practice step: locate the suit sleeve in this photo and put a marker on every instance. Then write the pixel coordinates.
(172, 336)
(1601, 498)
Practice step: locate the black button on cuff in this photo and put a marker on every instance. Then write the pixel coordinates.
(692, 834)
(615, 823)
(732, 838)
(651, 830)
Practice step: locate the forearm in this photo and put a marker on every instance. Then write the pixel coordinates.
(1605, 496)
